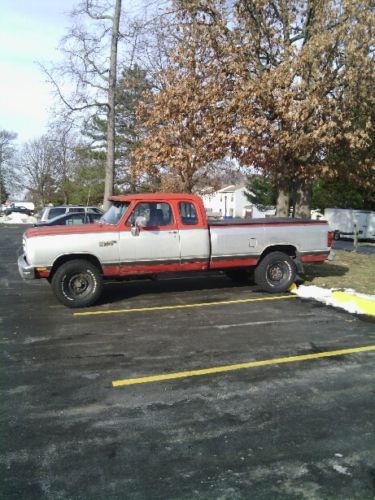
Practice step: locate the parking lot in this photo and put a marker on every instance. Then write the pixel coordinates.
(158, 392)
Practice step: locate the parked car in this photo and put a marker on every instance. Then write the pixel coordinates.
(48, 213)
(71, 218)
(27, 204)
(20, 210)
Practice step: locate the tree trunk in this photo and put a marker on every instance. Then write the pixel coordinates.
(303, 199)
(283, 198)
(111, 139)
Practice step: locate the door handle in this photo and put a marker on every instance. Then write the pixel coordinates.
(172, 232)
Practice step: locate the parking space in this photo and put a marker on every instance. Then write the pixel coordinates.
(240, 394)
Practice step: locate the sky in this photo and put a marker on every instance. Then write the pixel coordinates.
(30, 31)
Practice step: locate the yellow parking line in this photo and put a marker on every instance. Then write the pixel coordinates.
(181, 306)
(240, 366)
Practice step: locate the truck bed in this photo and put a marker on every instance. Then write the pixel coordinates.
(261, 221)
(243, 241)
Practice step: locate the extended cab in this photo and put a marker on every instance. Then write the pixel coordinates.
(148, 234)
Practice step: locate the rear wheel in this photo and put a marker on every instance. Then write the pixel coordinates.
(77, 283)
(336, 235)
(275, 272)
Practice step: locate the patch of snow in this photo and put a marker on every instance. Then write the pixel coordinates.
(312, 292)
(347, 299)
(341, 470)
(17, 218)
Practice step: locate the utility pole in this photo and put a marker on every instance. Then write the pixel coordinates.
(111, 129)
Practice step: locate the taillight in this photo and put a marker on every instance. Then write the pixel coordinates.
(329, 239)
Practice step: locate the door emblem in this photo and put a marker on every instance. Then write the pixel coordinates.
(107, 243)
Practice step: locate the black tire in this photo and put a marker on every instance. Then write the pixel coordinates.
(244, 275)
(275, 272)
(77, 283)
(336, 235)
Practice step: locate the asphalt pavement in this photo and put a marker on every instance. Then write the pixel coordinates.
(365, 247)
(183, 387)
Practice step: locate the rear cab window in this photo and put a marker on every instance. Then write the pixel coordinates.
(188, 213)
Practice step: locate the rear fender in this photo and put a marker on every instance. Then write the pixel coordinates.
(290, 250)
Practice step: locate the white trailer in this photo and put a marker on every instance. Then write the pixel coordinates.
(344, 222)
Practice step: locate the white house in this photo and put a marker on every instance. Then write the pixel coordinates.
(230, 201)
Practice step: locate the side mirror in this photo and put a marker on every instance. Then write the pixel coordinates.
(140, 222)
(134, 230)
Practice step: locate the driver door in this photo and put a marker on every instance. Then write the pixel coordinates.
(156, 247)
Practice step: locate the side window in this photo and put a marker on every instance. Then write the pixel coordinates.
(77, 210)
(54, 212)
(79, 219)
(155, 214)
(188, 214)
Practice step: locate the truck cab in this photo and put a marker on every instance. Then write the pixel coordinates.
(160, 233)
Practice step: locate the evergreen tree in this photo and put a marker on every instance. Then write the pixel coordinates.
(4, 194)
(340, 194)
(87, 184)
(131, 86)
(7, 151)
(261, 192)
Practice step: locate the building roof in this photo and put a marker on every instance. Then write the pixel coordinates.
(231, 188)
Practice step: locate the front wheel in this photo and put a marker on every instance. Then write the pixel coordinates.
(77, 283)
(275, 272)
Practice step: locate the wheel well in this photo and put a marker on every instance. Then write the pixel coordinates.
(287, 249)
(65, 258)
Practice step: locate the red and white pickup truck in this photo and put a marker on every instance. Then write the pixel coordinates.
(148, 234)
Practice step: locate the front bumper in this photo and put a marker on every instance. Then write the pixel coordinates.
(27, 272)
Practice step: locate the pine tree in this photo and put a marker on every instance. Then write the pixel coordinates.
(7, 151)
(130, 88)
(4, 194)
(261, 192)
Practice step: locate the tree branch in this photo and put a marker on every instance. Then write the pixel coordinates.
(70, 106)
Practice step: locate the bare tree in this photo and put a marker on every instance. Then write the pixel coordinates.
(157, 38)
(90, 65)
(36, 169)
(62, 137)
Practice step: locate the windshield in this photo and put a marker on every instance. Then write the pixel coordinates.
(115, 213)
